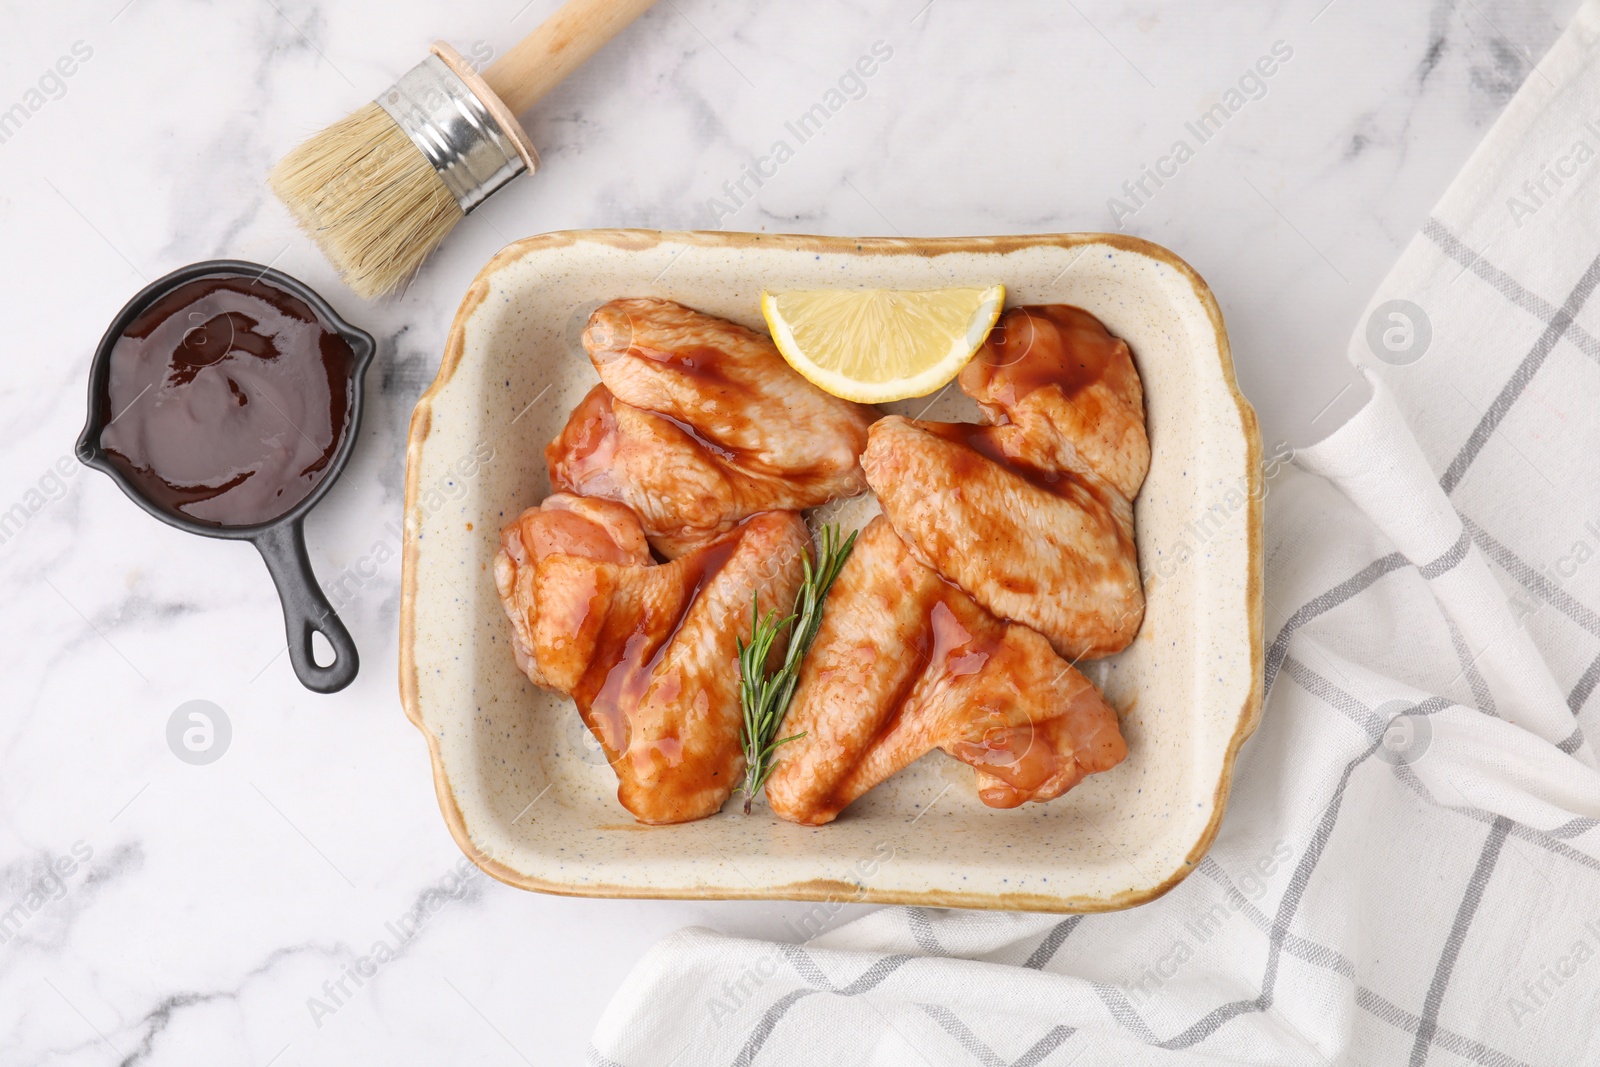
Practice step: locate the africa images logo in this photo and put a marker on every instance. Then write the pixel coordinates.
(199, 732)
(1399, 332)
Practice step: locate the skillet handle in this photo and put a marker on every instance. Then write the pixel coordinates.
(306, 610)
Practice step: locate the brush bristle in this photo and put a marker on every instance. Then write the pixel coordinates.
(369, 199)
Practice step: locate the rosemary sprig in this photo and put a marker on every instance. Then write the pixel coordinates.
(765, 697)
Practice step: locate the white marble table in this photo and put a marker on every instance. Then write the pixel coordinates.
(205, 912)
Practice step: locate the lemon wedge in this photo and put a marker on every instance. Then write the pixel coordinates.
(877, 345)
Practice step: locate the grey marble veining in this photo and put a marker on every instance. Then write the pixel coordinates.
(220, 913)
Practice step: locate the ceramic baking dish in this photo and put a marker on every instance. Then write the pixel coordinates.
(527, 794)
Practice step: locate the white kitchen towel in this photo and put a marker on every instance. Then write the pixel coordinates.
(1409, 870)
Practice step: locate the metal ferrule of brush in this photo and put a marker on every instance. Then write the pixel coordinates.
(455, 129)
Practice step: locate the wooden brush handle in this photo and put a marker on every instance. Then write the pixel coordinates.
(539, 61)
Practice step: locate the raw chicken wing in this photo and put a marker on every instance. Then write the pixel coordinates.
(647, 651)
(1064, 394)
(1031, 514)
(702, 423)
(684, 493)
(1058, 557)
(574, 525)
(903, 663)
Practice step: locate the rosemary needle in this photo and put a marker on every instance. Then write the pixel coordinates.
(764, 696)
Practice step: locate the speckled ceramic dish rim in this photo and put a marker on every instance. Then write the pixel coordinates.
(826, 889)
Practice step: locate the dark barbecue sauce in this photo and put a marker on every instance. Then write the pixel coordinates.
(228, 400)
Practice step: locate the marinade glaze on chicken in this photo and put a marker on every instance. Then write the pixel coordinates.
(1005, 551)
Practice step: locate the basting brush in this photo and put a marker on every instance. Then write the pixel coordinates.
(380, 189)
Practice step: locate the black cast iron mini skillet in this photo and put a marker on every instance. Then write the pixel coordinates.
(281, 541)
